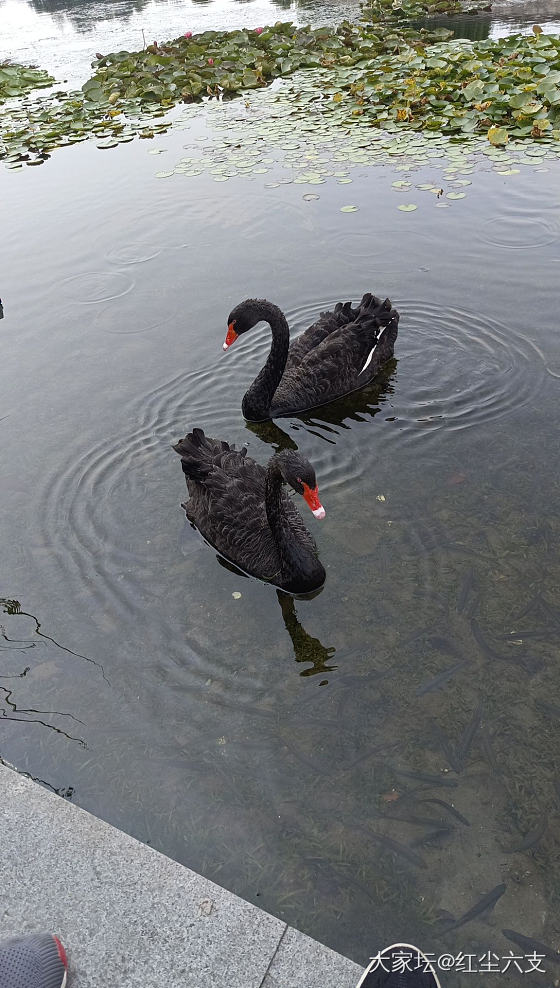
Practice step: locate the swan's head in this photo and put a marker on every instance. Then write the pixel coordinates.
(246, 315)
(300, 475)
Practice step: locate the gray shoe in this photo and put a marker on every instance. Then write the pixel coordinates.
(399, 966)
(37, 960)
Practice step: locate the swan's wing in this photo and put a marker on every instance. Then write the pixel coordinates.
(341, 361)
(327, 323)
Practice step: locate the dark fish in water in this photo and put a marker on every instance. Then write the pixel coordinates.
(441, 679)
(548, 708)
(488, 901)
(432, 835)
(469, 733)
(455, 763)
(532, 838)
(421, 821)
(465, 591)
(391, 844)
(449, 808)
(435, 780)
(397, 848)
(528, 664)
(488, 750)
(544, 633)
(444, 645)
(531, 945)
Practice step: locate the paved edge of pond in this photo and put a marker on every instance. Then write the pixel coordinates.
(133, 918)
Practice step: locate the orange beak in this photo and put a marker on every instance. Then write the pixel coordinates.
(231, 336)
(312, 498)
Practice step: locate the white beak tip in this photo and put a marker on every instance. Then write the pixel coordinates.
(319, 512)
(225, 346)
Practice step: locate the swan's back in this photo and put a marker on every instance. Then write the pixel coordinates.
(328, 360)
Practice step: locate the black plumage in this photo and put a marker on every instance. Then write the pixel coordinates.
(340, 353)
(242, 509)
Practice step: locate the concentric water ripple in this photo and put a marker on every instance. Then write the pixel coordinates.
(140, 311)
(459, 369)
(96, 286)
(519, 231)
(524, 219)
(455, 370)
(133, 253)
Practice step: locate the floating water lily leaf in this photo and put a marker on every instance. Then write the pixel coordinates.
(348, 209)
(407, 207)
(498, 135)
(456, 195)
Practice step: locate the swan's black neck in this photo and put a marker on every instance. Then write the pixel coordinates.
(256, 403)
(299, 567)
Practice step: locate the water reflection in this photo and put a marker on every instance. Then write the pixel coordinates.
(306, 648)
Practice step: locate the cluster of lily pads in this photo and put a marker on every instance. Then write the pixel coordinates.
(396, 78)
(391, 10)
(292, 136)
(17, 80)
(506, 87)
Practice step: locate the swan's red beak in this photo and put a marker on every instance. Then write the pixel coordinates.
(312, 498)
(231, 336)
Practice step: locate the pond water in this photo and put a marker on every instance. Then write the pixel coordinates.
(297, 753)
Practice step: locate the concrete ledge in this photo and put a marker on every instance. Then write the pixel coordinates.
(132, 918)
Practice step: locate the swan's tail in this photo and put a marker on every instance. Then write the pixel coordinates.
(200, 454)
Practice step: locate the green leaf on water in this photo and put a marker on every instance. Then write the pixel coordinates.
(407, 207)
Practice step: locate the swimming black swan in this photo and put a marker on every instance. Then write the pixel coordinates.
(242, 509)
(340, 353)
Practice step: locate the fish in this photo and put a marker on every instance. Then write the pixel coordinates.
(397, 848)
(441, 679)
(548, 708)
(455, 763)
(532, 838)
(488, 901)
(542, 633)
(432, 835)
(435, 780)
(465, 591)
(390, 844)
(469, 733)
(486, 745)
(528, 664)
(449, 808)
(528, 943)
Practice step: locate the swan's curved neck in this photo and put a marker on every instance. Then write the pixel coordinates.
(297, 567)
(256, 403)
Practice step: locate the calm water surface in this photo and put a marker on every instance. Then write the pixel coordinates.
(293, 752)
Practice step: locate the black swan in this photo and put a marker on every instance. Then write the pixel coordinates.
(243, 511)
(340, 353)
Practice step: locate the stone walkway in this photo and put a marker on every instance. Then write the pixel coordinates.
(132, 918)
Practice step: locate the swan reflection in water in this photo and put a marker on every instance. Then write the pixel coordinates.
(327, 421)
(306, 648)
